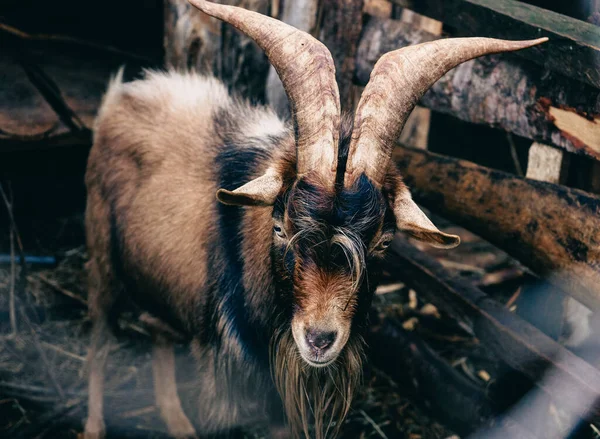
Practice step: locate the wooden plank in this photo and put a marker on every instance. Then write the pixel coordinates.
(513, 340)
(574, 47)
(303, 15)
(340, 29)
(547, 164)
(498, 91)
(194, 40)
(416, 129)
(552, 229)
(378, 8)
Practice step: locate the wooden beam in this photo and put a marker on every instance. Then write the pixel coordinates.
(547, 164)
(498, 91)
(574, 47)
(552, 229)
(513, 340)
(416, 129)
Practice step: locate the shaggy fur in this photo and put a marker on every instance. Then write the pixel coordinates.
(219, 273)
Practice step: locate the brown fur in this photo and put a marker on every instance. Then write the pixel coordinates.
(157, 236)
(151, 172)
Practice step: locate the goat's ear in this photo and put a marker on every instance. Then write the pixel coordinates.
(413, 221)
(261, 191)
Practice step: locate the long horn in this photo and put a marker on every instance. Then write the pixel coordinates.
(307, 72)
(398, 80)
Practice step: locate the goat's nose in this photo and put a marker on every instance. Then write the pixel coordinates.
(320, 341)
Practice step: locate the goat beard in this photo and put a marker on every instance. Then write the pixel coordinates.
(315, 396)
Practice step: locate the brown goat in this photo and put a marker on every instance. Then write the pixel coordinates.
(272, 284)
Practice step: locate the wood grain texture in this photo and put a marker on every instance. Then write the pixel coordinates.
(547, 164)
(574, 47)
(416, 130)
(552, 229)
(497, 90)
(340, 29)
(303, 15)
(194, 40)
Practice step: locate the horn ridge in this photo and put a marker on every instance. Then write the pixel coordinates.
(399, 79)
(307, 71)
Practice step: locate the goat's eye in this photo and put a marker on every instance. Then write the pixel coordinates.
(385, 244)
(278, 231)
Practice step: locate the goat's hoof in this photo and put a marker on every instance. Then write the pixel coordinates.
(181, 428)
(94, 430)
(188, 435)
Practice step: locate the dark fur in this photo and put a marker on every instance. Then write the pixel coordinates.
(217, 274)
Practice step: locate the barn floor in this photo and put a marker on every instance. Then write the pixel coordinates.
(42, 365)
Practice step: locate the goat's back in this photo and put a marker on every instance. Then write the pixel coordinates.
(152, 175)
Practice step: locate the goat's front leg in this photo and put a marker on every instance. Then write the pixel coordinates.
(165, 389)
(97, 358)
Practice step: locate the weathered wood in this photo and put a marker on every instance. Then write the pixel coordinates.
(498, 91)
(547, 164)
(340, 28)
(44, 101)
(338, 24)
(544, 307)
(552, 229)
(194, 40)
(378, 8)
(416, 130)
(513, 340)
(303, 15)
(574, 47)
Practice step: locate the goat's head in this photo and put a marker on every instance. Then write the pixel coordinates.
(335, 217)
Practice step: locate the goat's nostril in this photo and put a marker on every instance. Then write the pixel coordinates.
(320, 340)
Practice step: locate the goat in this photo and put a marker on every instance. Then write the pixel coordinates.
(273, 282)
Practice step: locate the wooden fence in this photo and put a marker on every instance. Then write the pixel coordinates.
(549, 94)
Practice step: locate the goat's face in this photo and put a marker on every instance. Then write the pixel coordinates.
(327, 241)
(327, 238)
(327, 244)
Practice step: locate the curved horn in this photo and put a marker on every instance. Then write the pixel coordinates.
(398, 80)
(307, 72)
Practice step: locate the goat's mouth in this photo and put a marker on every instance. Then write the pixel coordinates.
(319, 346)
(319, 363)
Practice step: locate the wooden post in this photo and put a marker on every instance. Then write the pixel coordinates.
(416, 130)
(549, 309)
(340, 29)
(545, 307)
(301, 14)
(193, 40)
(547, 164)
